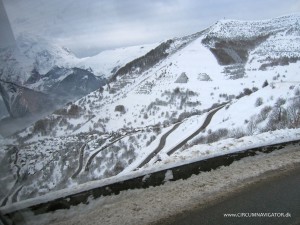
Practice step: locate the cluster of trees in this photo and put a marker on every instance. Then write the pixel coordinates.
(45, 126)
(120, 108)
(280, 116)
(247, 91)
(72, 111)
(284, 117)
(283, 61)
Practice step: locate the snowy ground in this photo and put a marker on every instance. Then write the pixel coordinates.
(203, 151)
(146, 206)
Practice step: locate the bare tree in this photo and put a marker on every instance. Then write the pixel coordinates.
(252, 126)
(294, 114)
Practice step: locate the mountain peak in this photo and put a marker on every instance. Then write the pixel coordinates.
(33, 52)
(229, 28)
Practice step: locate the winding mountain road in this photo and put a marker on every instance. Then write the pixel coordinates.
(14, 197)
(161, 143)
(101, 149)
(14, 187)
(80, 161)
(164, 137)
(204, 125)
(159, 147)
(111, 143)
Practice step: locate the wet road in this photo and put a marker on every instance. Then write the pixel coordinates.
(279, 194)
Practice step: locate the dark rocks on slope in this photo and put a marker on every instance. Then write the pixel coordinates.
(145, 62)
(78, 83)
(59, 84)
(229, 52)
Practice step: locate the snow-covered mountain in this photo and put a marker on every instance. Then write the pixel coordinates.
(39, 65)
(229, 86)
(107, 62)
(23, 66)
(33, 53)
(43, 66)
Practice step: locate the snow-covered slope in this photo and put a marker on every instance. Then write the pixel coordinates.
(107, 62)
(41, 65)
(237, 78)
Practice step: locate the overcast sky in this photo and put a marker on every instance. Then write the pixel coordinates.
(89, 26)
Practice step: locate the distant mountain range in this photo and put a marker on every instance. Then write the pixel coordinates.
(40, 65)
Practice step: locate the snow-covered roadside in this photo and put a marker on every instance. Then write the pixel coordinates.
(149, 205)
(203, 151)
(194, 154)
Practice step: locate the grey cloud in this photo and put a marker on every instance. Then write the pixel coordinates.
(101, 24)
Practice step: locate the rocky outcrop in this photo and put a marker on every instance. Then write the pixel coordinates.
(59, 85)
(76, 82)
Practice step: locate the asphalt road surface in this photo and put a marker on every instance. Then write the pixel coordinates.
(80, 161)
(204, 125)
(159, 147)
(279, 194)
(164, 137)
